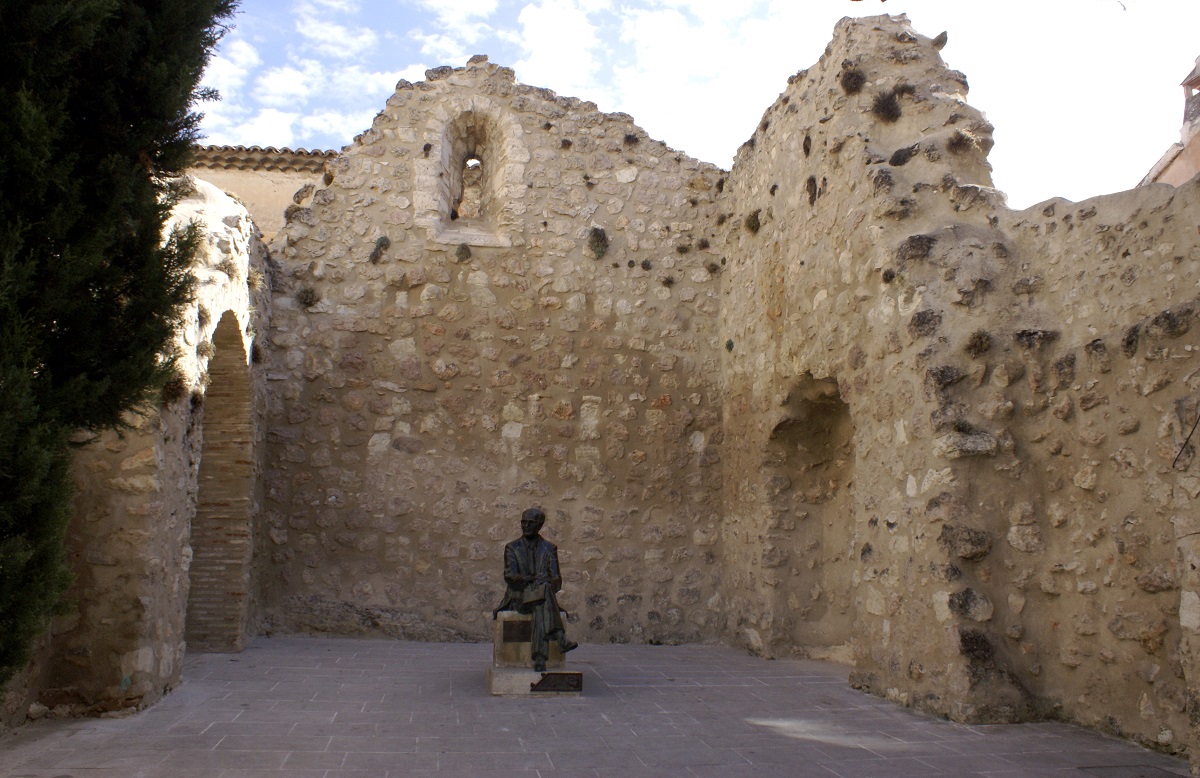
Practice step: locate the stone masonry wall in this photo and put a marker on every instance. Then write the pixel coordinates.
(453, 343)
(986, 501)
(840, 402)
(1101, 542)
(122, 643)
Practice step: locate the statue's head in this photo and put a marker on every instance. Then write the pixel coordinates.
(531, 522)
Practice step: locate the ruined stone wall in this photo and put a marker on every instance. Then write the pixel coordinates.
(122, 642)
(983, 500)
(840, 403)
(1101, 538)
(455, 342)
(813, 213)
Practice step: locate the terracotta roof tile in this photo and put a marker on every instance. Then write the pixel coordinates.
(259, 158)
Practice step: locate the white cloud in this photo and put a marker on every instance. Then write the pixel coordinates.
(453, 44)
(660, 38)
(220, 123)
(674, 104)
(327, 37)
(361, 84)
(457, 28)
(338, 124)
(738, 57)
(269, 127)
(559, 41)
(288, 86)
(442, 48)
(412, 73)
(344, 6)
(717, 11)
(228, 71)
(453, 14)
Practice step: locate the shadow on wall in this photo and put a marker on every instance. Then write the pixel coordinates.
(810, 464)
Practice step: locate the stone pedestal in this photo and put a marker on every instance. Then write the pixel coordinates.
(512, 673)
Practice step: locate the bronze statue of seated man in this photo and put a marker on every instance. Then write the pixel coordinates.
(531, 573)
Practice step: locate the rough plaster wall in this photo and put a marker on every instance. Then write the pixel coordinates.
(1102, 538)
(1184, 167)
(428, 387)
(122, 644)
(267, 194)
(1016, 533)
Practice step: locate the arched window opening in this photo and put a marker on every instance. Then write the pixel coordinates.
(476, 163)
(470, 203)
(470, 163)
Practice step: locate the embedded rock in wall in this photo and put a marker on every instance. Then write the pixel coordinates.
(500, 298)
(990, 500)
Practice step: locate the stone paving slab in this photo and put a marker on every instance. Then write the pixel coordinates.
(340, 708)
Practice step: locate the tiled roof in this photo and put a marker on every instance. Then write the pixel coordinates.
(259, 158)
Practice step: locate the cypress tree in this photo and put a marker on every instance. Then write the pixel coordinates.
(96, 117)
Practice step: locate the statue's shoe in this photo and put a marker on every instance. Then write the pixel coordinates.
(565, 645)
(539, 666)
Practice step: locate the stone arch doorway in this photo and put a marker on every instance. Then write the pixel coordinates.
(219, 577)
(810, 461)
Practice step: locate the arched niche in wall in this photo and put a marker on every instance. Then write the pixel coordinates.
(221, 540)
(809, 474)
(474, 163)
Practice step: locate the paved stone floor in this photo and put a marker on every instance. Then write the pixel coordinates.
(333, 708)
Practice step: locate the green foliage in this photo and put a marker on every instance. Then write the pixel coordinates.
(95, 119)
(35, 500)
(382, 244)
(598, 242)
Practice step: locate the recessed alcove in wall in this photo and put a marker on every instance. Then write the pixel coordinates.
(468, 194)
(474, 170)
(809, 472)
(219, 592)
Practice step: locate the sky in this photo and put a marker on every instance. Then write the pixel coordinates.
(1084, 94)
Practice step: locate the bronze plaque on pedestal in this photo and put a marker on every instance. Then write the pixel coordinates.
(558, 682)
(518, 631)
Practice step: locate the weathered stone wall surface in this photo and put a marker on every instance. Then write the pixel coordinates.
(453, 343)
(1102, 527)
(267, 194)
(982, 505)
(840, 402)
(122, 643)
